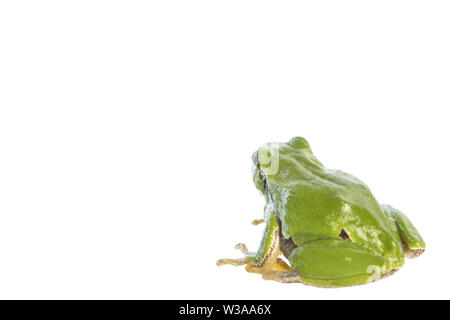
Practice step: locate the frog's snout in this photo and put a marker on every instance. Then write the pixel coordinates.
(255, 158)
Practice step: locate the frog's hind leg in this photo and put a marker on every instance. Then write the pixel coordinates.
(412, 241)
(266, 259)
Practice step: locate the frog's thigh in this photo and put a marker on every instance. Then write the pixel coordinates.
(411, 239)
(336, 263)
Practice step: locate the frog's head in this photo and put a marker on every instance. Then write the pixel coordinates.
(273, 156)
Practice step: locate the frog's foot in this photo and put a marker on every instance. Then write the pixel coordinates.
(282, 276)
(257, 221)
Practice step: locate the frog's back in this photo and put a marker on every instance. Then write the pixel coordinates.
(314, 203)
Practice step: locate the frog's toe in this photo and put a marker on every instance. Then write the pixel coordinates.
(257, 221)
(242, 247)
(233, 262)
(237, 262)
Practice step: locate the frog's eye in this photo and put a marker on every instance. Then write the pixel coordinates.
(261, 175)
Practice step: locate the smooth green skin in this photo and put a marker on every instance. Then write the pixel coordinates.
(314, 204)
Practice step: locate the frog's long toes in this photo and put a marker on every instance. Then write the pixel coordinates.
(233, 262)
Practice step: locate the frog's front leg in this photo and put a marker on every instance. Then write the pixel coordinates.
(266, 258)
(411, 239)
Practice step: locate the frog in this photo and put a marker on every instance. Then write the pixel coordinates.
(322, 227)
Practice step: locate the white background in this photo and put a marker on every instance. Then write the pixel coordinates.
(127, 128)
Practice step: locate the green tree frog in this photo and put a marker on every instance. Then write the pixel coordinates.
(326, 223)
